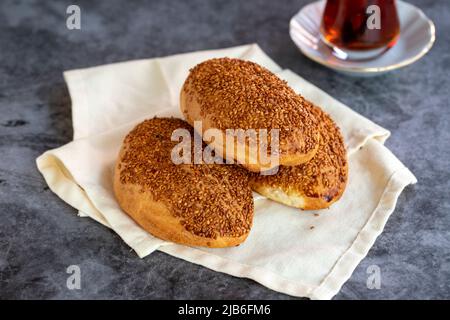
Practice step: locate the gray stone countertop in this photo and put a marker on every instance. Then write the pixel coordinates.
(40, 235)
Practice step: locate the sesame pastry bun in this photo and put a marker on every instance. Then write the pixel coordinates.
(206, 205)
(313, 185)
(236, 94)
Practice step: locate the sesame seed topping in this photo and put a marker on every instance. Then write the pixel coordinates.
(325, 175)
(211, 200)
(234, 93)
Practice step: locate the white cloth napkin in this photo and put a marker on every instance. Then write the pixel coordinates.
(282, 251)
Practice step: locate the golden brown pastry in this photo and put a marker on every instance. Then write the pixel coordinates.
(236, 94)
(194, 204)
(313, 185)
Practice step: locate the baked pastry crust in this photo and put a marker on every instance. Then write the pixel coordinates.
(316, 184)
(236, 94)
(207, 205)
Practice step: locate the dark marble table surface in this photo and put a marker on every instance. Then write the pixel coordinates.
(40, 235)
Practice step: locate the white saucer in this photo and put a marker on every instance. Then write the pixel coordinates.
(417, 35)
